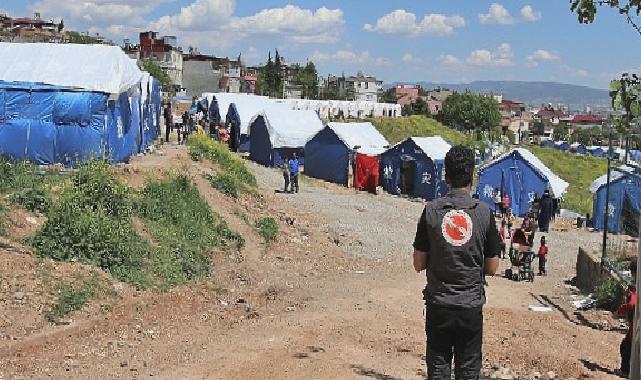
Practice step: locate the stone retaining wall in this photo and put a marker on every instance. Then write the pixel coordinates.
(588, 271)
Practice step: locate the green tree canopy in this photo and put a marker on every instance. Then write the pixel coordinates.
(470, 111)
(154, 69)
(561, 132)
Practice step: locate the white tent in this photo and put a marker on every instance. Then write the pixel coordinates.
(99, 68)
(365, 135)
(434, 147)
(247, 105)
(289, 128)
(558, 185)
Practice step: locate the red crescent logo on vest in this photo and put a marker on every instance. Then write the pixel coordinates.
(457, 227)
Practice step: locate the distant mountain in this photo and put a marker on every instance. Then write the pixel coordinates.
(533, 93)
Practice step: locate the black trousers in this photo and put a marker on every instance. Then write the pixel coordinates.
(625, 349)
(294, 179)
(454, 334)
(542, 261)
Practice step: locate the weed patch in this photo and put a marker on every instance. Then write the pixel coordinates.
(201, 146)
(609, 293)
(186, 228)
(267, 228)
(35, 199)
(72, 298)
(226, 183)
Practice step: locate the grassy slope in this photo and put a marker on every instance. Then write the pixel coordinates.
(396, 130)
(578, 171)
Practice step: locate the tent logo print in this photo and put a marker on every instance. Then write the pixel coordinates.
(387, 172)
(488, 191)
(457, 227)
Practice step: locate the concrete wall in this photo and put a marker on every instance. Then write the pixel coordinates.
(199, 77)
(588, 271)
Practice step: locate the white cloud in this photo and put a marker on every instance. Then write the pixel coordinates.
(449, 60)
(497, 14)
(575, 72)
(402, 22)
(199, 15)
(341, 56)
(383, 62)
(410, 58)
(541, 55)
(97, 13)
(251, 54)
(502, 56)
(582, 73)
(529, 14)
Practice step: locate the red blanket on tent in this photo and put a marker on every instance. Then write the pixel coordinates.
(366, 172)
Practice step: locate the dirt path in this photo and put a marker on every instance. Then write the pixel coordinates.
(335, 298)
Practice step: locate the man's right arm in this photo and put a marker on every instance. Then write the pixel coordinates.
(421, 245)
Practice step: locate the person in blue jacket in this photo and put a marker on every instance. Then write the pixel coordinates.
(293, 172)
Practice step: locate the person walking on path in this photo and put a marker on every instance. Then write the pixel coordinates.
(293, 172)
(286, 174)
(168, 121)
(498, 205)
(546, 211)
(543, 257)
(457, 244)
(626, 310)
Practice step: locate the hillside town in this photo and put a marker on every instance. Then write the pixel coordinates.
(174, 212)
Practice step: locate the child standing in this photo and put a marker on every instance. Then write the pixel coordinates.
(543, 253)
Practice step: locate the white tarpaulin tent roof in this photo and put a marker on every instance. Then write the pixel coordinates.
(557, 185)
(247, 106)
(98, 68)
(289, 128)
(614, 175)
(434, 147)
(365, 135)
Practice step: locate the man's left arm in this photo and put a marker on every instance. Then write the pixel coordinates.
(421, 245)
(491, 249)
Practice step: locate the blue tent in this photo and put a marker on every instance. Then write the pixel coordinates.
(522, 175)
(547, 143)
(415, 167)
(562, 145)
(278, 132)
(597, 151)
(578, 149)
(75, 107)
(624, 197)
(330, 153)
(635, 154)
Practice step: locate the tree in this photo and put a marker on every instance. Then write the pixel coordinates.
(630, 9)
(561, 132)
(61, 25)
(278, 76)
(308, 78)
(157, 72)
(470, 111)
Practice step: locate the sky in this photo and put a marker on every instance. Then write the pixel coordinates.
(445, 41)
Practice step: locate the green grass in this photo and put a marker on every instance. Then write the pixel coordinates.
(609, 294)
(578, 171)
(227, 184)
(396, 130)
(267, 228)
(201, 146)
(91, 221)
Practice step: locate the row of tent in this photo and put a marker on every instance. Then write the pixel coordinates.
(593, 150)
(357, 154)
(65, 103)
(332, 109)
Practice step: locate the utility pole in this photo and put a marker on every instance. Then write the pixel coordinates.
(604, 247)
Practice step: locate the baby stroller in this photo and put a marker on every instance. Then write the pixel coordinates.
(521, 268)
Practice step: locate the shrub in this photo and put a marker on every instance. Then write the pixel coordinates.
(35, 199)
(267, 228)
(609, 293)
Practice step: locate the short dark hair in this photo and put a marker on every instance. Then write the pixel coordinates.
(459, 166)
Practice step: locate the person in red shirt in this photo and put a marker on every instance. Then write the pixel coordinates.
(506, 203)
(627, 310)
(543, 253)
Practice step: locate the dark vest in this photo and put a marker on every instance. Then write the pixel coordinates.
(457, 226)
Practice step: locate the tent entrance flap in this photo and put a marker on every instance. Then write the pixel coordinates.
(366, 172)
(408, 176)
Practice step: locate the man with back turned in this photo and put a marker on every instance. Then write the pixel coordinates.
(457, 244)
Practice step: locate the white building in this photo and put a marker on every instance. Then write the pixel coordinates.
(360, 87)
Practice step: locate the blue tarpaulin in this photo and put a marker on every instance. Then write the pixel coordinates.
(624, 196)
(47, 124)
(406, 169)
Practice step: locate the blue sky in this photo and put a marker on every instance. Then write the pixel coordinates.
(418, 40)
